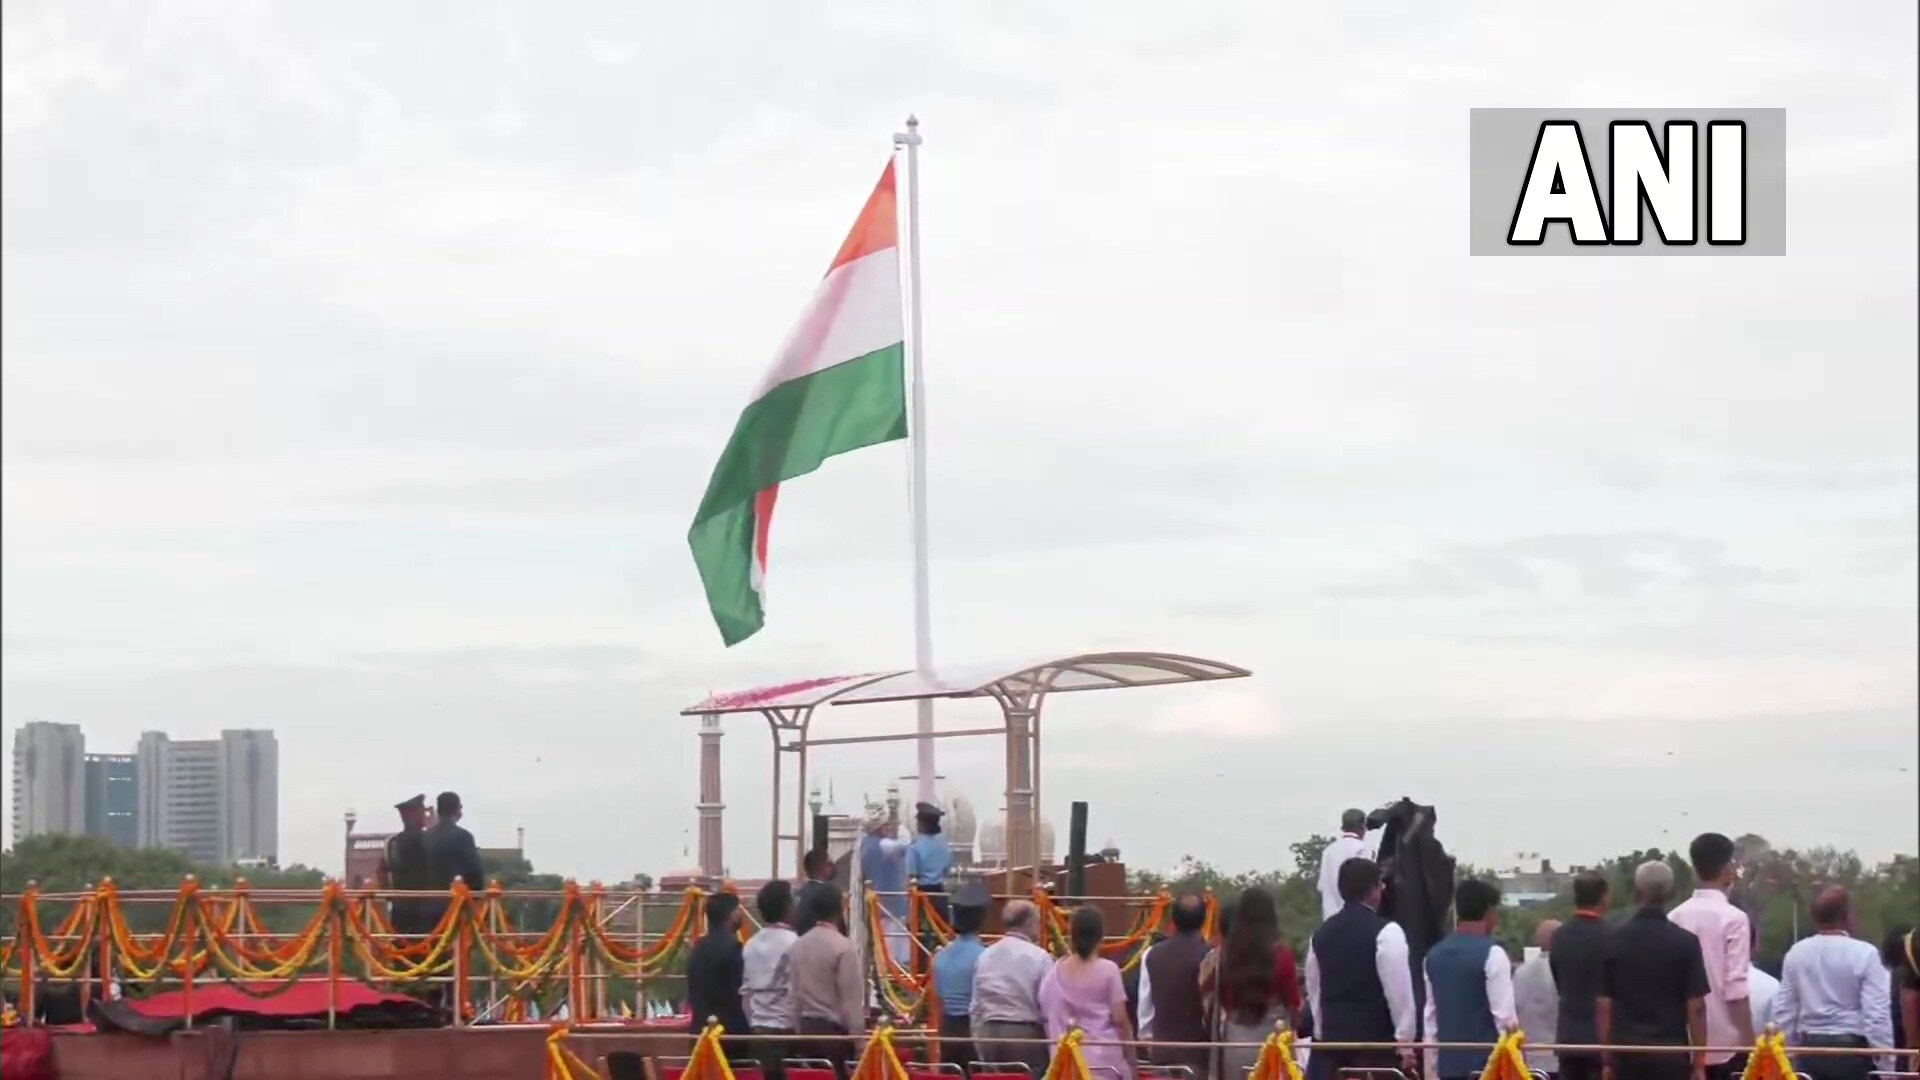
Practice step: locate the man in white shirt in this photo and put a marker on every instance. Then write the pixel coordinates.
(1760, 986)
(1536, 1000)
(1006, 992)
(1834, 992)
(1359, 980)
(1350, 844)
(766, 981)
(1143, 994)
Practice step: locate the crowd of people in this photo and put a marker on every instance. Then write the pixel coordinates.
(1660, 995)
(1666, 993)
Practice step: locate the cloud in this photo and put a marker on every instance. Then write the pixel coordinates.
(1602, 565)
(1220, 714)
(1873, 474)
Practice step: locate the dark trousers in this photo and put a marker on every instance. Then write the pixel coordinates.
(1579, 1067)
(1835, 1066)
(956, 1040)
(937, 896)
(1191, 1057)
(1337, 1062)
(771, 1051)
(1631, 1066)
(410, 919)
(839, 1051)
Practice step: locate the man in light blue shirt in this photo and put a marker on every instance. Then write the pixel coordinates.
(953, 970)
(1834, 993)
(928, 858)
(766, 982)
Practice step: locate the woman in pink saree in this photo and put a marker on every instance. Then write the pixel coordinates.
(1084, 990)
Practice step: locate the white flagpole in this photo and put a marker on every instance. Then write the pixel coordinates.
(917, 449)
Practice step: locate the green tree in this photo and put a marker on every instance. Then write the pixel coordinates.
(70, 864)
(516, 874)
(1306, 854)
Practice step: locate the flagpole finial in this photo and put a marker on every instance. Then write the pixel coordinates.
(910, 137)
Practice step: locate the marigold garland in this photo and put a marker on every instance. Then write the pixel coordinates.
(220, 935)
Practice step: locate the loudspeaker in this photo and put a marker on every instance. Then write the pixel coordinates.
(1077, 851)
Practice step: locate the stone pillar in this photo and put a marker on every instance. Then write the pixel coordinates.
(346, 860)
(712, 862)
(1023, 830)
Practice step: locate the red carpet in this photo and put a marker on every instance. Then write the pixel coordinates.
(303, 1003)
(307, 997)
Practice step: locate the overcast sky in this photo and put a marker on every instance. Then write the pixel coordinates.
(364, 365)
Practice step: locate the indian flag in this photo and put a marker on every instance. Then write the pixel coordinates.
(837, 384)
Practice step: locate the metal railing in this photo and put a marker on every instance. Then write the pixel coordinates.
(587, 952)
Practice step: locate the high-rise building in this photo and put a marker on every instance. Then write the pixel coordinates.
(112, 798)
(49, 779)
(249, 795)
(214, 800)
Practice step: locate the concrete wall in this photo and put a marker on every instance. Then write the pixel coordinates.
(516, 1053)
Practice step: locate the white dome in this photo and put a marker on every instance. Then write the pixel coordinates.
(990, 845)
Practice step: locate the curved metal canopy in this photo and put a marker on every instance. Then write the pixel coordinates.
(1083, 671)
(799, 694)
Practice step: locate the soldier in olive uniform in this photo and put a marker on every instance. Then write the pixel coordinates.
(404, 866)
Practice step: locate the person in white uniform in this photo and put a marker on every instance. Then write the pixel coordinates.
(1350, 844)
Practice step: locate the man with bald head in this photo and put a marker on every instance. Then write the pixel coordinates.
(1653, 989)
(1834, 993)
(1536, 1001)
(1350, 844)
(1005, 1011)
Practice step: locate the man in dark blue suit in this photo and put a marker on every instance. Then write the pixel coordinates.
(451, 854)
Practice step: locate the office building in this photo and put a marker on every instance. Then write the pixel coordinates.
(112, 798)
(250, 796)
(217, 801)
(1531, 888)
(49, 779)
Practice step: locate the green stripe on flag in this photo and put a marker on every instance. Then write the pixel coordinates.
(787, 433)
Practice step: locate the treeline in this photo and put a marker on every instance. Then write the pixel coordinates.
(1775, 886)
(71, 864)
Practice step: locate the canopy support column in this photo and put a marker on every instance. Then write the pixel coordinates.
(782, 723)
(1023, 832)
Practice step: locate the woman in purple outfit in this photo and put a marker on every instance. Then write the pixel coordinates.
(1084, 990)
